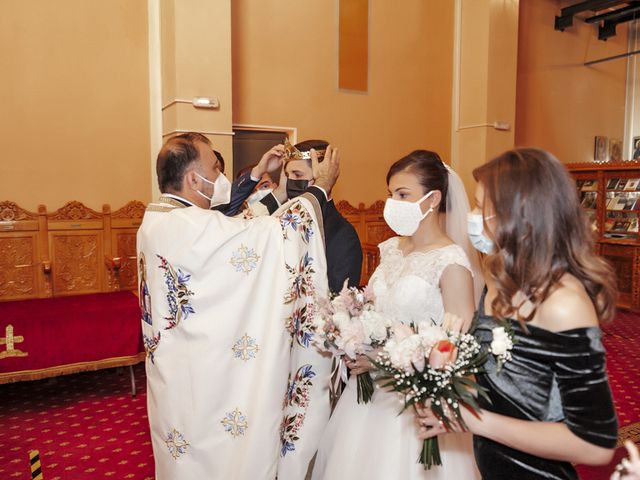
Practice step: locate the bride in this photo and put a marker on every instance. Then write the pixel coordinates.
(423, 273)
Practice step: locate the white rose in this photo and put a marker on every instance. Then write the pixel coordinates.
(340, 319)
(351, 338)
(374, 326)
(407, 354)
(501, 342)
(430, 334)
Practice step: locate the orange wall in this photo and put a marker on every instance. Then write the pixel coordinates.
(285, 73)
(562, 105)
(486, 62)
(74, 102)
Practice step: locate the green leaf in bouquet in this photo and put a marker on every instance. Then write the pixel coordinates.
(365, 387)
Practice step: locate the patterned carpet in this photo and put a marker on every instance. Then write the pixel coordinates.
(87, 426)
(622, 342)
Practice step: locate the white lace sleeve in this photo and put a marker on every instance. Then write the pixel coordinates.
(387, 246)
(452, 255)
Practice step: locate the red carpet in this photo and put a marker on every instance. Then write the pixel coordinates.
(87, 426)
(622, 342)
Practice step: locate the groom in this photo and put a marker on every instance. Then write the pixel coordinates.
(235, 387)
(343, 249)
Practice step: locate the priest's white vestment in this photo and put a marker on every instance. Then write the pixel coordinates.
(236, 389)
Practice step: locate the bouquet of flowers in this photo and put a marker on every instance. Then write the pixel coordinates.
(348, 324)
(433, 363)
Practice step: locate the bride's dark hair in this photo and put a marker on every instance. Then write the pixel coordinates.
(430, 170)
(541, 233)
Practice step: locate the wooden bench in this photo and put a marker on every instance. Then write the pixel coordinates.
(372, 230)
(66, 290)
(66, 283)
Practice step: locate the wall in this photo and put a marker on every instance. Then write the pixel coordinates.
(485, 66)
(285, 73)
(74, 122)
(195, 51)
(561, 104)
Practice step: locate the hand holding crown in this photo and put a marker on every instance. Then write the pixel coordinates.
(326, 173)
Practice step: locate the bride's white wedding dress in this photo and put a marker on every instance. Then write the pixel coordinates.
(371, 441)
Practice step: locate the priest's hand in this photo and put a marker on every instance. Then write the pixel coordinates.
(270, 162)
(326, 173)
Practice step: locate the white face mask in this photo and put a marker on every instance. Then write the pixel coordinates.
(404, 217)
(477, 237)
(221, 190)
(259, 195)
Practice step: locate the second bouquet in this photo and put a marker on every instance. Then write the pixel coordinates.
(349, 324)
(433, 364)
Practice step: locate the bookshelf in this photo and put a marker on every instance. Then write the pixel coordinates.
(610, 195)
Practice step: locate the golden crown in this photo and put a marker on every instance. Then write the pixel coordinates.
(292, 153)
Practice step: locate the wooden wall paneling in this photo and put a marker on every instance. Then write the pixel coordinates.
(124, 228)
(623, 261)
(19, 266)
(109, 262)
(76, 249)
(46, 282)
(20, 272)
(372, 230)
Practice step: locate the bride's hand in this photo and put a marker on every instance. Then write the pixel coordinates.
(362, 363)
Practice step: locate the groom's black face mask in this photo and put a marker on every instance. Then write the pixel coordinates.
(295, 188)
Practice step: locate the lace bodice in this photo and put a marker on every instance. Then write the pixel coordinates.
(408, 287)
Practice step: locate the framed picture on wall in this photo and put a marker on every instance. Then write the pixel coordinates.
(615, 150)
(601, 149)
(636, 148)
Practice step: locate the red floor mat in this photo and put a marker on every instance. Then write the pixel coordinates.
(86, 426)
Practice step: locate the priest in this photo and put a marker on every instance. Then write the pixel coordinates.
(236, 389)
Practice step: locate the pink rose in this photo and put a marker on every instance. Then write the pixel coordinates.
(401, 331)
(443, 353)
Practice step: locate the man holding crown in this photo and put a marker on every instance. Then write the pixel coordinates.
(236, 389)
(343, 250)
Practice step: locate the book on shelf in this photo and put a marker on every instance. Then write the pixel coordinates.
(619, 204)
(619, 226)
(633, 225)
(608, 225)
(630, 203)
(589, 200)
(613, 183)
(622, 184)
(632, 184)
(589, 186)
